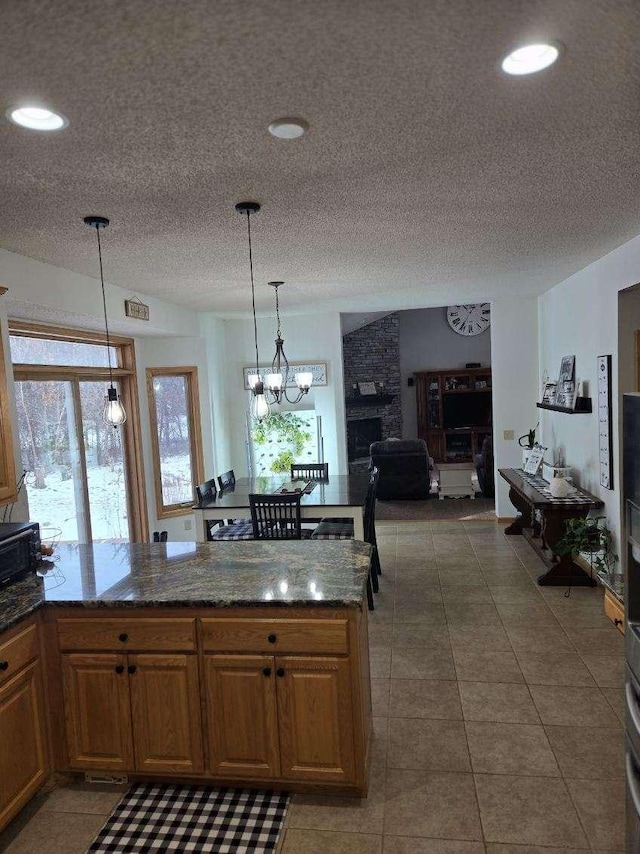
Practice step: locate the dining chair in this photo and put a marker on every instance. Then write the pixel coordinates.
(227, 480)
(206, 491)
(277, 517)
(342, 529)
(310, 471)
(240, 530)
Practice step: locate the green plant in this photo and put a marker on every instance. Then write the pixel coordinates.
(589, 536)
(282, 462)
(285, 427)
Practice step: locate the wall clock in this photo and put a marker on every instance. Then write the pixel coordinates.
(604, 422)
(469, 319)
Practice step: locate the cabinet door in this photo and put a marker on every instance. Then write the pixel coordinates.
(315, 718)
(23, 758)
(97, 711)
(241, 712)
(7, 463)
(165, 706)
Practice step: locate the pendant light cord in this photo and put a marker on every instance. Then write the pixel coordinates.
(104, 306)
(279, 334)
(253, 293)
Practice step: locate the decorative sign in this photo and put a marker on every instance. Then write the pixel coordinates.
(318, 369)
(534, 460)
(136, 308)
(604, 422)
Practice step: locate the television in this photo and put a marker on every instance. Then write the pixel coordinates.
(461, 410)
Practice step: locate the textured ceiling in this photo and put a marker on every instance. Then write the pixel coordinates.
(424, 170)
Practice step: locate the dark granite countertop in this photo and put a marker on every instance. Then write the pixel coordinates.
(212, 575)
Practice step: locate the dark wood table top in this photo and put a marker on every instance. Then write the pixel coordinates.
(537, 499)
(341, 490)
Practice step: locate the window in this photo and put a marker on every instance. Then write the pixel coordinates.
(176, 438)
(84, 480)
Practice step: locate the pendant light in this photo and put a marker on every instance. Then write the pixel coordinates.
(114, 412)
(278, 380)
(260, 408)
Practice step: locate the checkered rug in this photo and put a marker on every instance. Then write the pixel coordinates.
(193, 818)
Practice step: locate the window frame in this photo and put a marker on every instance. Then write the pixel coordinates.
(190, 374)
(126, 375)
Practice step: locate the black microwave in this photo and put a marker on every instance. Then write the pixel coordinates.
(19, 549)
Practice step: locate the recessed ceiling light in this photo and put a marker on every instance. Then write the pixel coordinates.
(37, 118)
(288, 128)
(530, 58)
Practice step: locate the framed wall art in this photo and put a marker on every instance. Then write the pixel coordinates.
(317, 369)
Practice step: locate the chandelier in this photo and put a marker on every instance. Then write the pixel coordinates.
(278, 380)
(114, 412)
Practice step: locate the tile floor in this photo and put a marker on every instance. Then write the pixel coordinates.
(497, 716)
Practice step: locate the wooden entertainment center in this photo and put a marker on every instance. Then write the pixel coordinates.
(454, 412)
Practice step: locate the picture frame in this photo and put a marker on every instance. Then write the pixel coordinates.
(567, 395)
(535, 459)
(549, 393)
(367, 389)
(317, 369)
(567, 370)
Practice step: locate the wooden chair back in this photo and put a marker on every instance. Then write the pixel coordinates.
(276, 517)
(310, 471)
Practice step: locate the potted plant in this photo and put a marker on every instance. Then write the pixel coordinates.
(591, 537)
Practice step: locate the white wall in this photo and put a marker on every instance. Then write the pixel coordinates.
(580, 315)
(427, 342)
(514, 348)
(307, 339)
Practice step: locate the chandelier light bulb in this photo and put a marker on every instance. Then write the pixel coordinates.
(114, 412)
(274, 382)
(253, 380)
(304, 380)
(260, 408)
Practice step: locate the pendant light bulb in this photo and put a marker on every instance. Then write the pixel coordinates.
(260, 409)
(114, 412)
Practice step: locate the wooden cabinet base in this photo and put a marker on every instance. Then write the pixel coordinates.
(614, 609)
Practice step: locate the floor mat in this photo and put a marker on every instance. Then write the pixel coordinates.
(433, 509)
(193, 818)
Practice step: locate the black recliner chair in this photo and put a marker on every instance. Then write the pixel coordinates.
(404, 469)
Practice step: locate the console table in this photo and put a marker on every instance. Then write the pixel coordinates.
(530, 493)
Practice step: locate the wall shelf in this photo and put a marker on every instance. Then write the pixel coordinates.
(370, 400)
(583, 407)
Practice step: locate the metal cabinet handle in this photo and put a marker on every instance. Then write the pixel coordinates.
(119, 668)
(280, 671)
(267, 671)
(272, 638)
(617, 622)
(4, 665)
(124, 637)
(132, 668)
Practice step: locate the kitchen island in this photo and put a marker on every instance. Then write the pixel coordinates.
(239, 663)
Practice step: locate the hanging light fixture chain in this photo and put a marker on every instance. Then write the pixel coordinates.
(104, 307)
(253, 291)
(278, 314)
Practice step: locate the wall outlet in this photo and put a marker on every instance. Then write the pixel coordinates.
(187, 522)
(508, 435)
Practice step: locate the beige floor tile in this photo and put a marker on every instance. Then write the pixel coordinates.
(422, 663)
(498, 848)
(527, 615)
(479, 637)
(508, 594)
(539, 639)
(615, 698)
(607, 670)
(560, 705)
(83, 799)
(472, 614)
(522, 749)
(432, 804)
(550, 668)
(421, 634)
(415, 603)
(344, 815)
(528, 811)
(424, 698)
(327, 842)
(415, 845)
(486, 665)
(380, 632)
(427, 745)
(605, 641)
(601, 809)
(423, 613)
(595, 753)
(464, 578)
(380, 661)
(470, 593)
(380, 697)
(501, 702)
(451, 563)
(71, 833)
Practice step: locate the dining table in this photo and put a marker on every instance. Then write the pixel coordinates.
(341, 496)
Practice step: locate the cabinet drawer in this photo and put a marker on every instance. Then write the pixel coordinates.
(270, 635)
(20, 650)
(121, 635)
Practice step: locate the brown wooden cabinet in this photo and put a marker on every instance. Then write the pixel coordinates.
(242, 715)
(315, 715)
(23, 754)
(454, 410)
(7, 460)
(97, 711)
(133, 712)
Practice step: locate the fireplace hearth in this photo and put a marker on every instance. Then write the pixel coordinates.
(361, 432)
